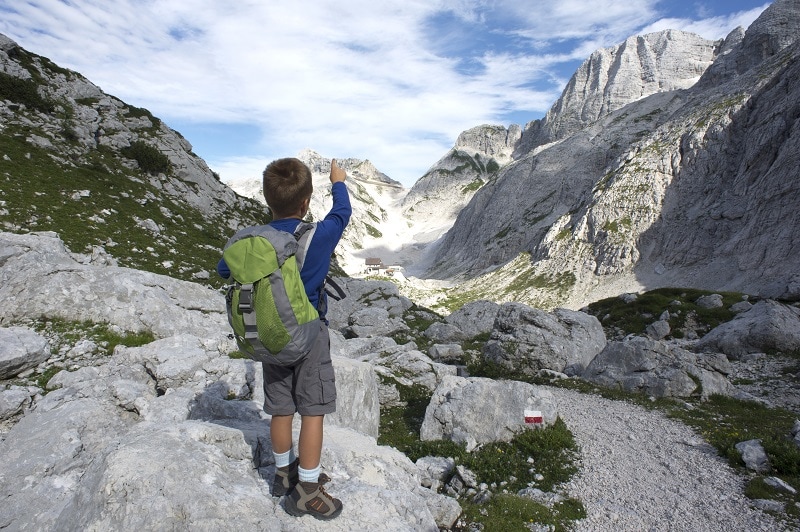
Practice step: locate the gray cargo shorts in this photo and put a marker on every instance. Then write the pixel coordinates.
(308, 387)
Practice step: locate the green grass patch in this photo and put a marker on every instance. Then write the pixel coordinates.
(70, 332)
(632, 318)
(472, 187)
(507, 513)
(24, 91)
(373, 231)
(559, 283)
(506, 466)
(42, 193)
(564, 234)
(725, 421)
(455, 298)
(553, 450)
(43, 378)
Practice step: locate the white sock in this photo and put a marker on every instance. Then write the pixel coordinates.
(284, 459)
(309, 475)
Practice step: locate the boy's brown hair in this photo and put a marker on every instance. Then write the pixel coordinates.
(287, 183)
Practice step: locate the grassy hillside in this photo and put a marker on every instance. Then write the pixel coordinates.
(120, 191)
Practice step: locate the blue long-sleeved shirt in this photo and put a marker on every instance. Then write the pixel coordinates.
(318, 258)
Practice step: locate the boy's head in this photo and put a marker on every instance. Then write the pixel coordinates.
(287, 186)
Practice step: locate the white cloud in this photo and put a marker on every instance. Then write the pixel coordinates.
(354, 78)
(711, 28)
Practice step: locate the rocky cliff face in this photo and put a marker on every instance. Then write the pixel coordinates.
(611, 78)
(684, 187)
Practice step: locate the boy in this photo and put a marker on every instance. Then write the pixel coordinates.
(307, 387)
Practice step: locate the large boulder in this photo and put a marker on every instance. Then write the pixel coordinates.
(767, 326)
(477, 410)
(659, 369)
(21, 349)
(527, 339)
(357, 399)
(370, 322)
(171, 436)
(404, 364)
(446, 353)
(40, 278)
(362, 293)
(13, 401)
(411, 367)
(442, 333)
(474, 318)
(219, 386)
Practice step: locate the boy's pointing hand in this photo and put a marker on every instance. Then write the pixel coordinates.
(337, 174)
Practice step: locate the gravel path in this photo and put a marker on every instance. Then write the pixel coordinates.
(642, 471)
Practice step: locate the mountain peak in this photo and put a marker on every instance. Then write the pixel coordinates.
(616, 76)
(655, 180)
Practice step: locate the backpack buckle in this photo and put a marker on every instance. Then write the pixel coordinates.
(246, 298)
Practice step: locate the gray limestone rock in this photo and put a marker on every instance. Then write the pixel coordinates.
(13, 401)
(167, 435)
(357, 397)
(477, 410)
(780, 484)
(443, 333)
(753, 455)
(709, 301)
(362, 294)
(639, 364)
(767, 326)
(42, 279)
(403, 364)
(360, 348)
(741, 306)
(21, 349)
(434, 470)
(658, 330)
(614, 77)
(474, 318)
(373, 322)
(411, 367)
(527, 339)
(446, 353)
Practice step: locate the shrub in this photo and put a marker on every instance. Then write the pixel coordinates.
(24, 91)
(147, 157)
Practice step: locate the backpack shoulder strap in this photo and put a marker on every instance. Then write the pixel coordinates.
(303, 234)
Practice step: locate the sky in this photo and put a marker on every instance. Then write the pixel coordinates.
(395, 81)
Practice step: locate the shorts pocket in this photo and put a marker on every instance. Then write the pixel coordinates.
(327, 379)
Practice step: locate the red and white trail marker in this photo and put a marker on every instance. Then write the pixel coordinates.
(533, 417)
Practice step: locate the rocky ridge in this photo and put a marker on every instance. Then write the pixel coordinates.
(612, 78)
(105, 174)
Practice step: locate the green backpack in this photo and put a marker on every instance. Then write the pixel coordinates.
(272, 319)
